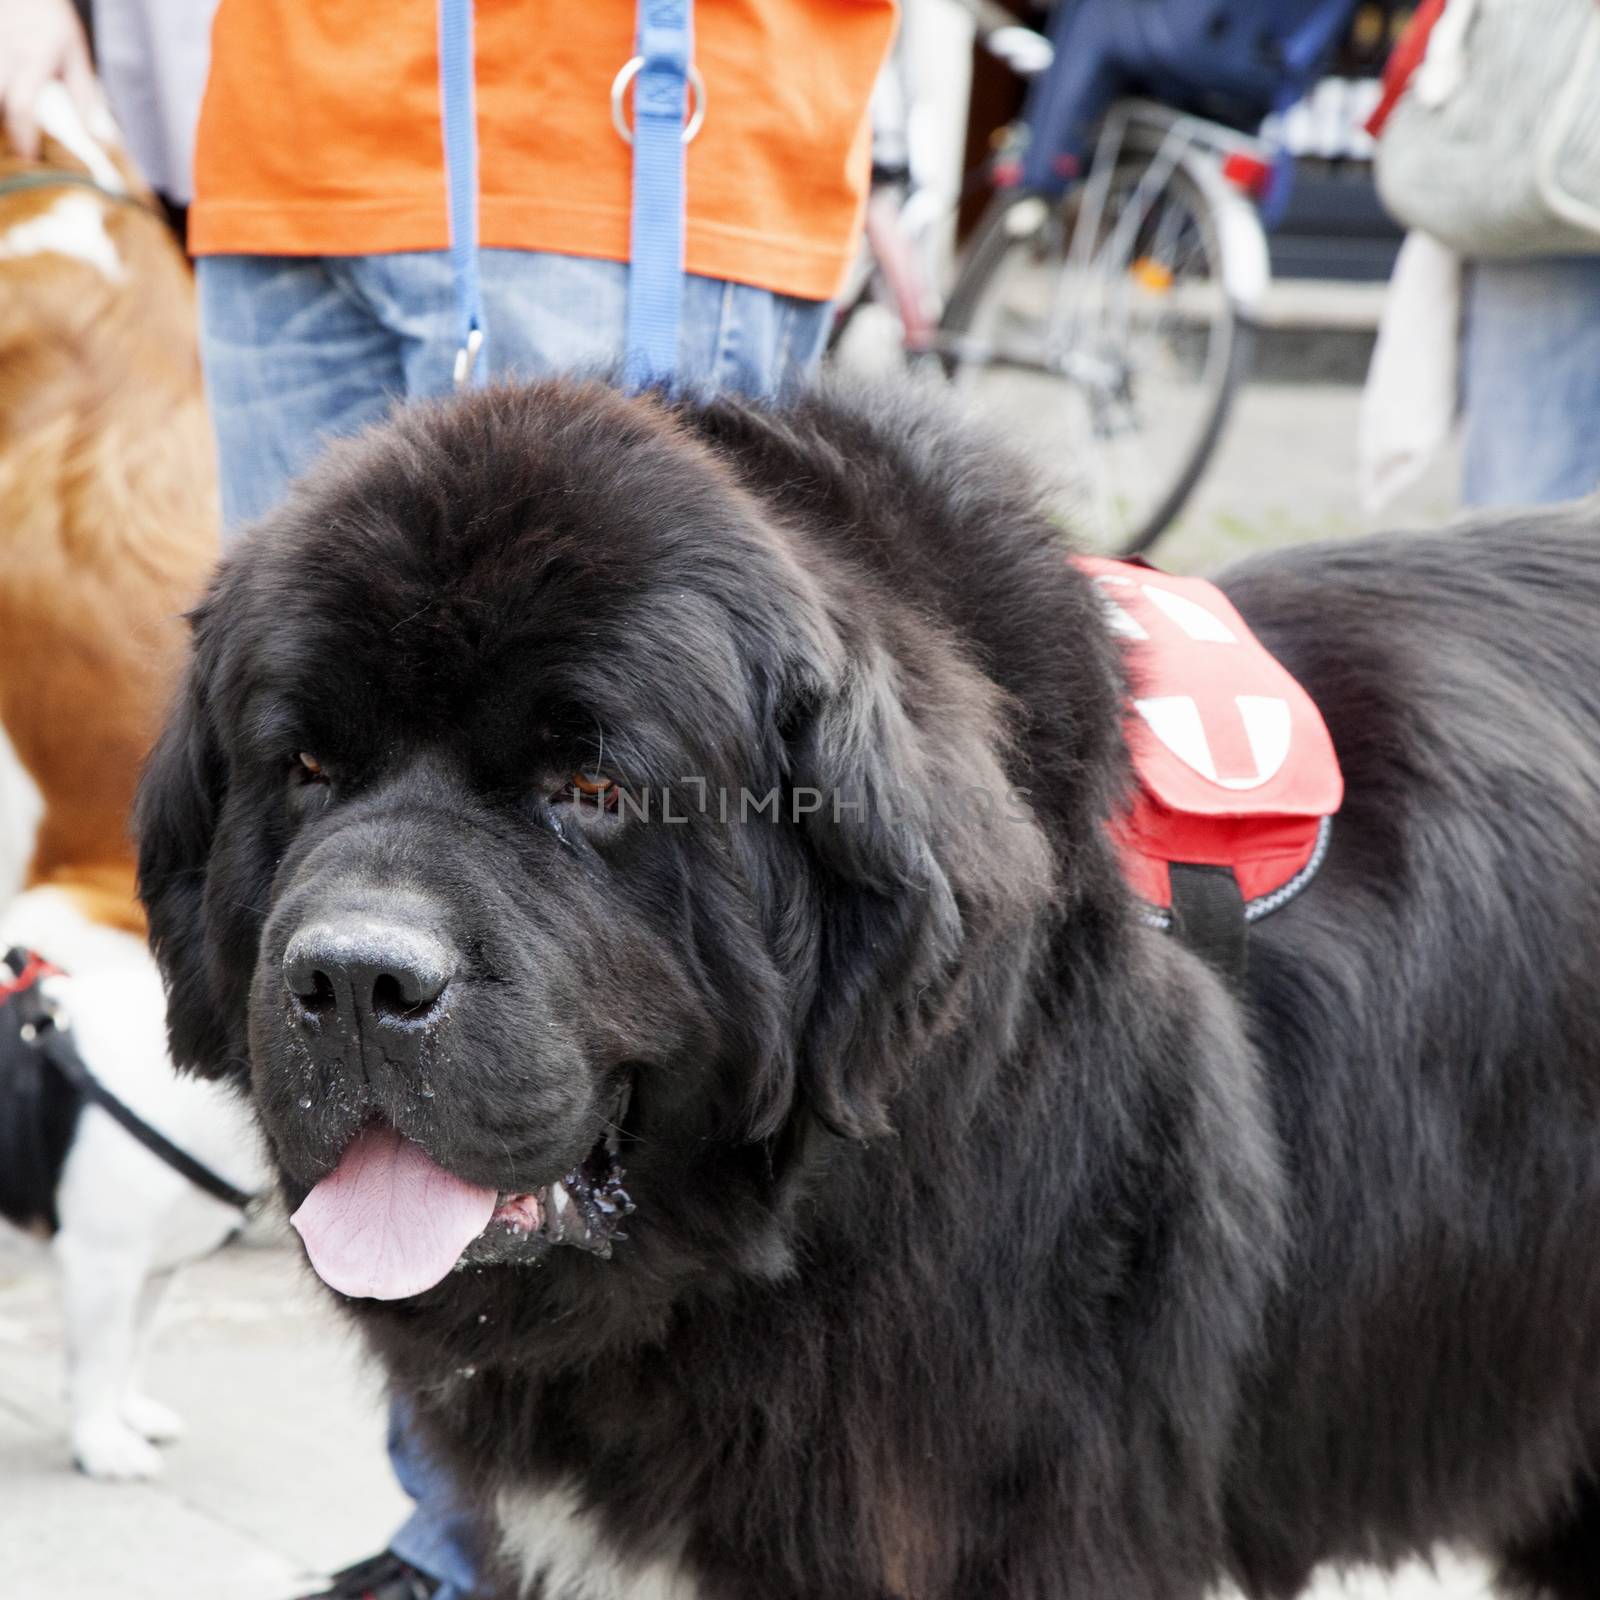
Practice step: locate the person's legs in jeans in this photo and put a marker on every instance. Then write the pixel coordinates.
(1531, 380)
(291, 358)
(300, 350)
(549, 314)
(438, 1538)
(297, 351)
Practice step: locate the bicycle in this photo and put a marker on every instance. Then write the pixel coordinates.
(1110, 304)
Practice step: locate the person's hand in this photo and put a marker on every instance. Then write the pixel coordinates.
(41, 41)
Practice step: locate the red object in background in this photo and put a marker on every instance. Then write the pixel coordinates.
(1250, 174)
(1404, 59)
(1235, 764)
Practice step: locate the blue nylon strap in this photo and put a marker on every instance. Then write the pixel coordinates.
(665, 46)
(459, 118)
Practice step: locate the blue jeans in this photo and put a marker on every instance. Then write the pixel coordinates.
(1531, 380)
(439, 1537)
(298, 350)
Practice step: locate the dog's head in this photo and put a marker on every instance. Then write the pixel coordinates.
(540, 807)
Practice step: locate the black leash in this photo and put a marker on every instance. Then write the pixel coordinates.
(40, 1030)
(59, 1052)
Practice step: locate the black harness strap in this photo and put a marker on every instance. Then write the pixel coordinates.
(39, 1029)
(1208, 915)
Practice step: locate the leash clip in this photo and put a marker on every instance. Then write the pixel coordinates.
(619, 90)
(44, 1016)
(467, 357)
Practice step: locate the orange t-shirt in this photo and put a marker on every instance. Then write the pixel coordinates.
(319, 134)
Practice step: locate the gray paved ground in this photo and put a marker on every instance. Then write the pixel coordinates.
(282, 1473)
(1286, 471)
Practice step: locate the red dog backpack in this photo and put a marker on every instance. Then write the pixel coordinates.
(1238, 778)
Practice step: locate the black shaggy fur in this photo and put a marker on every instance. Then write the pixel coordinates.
(986, 1245)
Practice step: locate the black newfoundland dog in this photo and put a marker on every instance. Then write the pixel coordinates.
(768, 1173)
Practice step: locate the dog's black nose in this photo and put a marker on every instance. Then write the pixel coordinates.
(345, 978)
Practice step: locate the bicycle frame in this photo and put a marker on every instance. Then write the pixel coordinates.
(1166, 140)
(1226, 165)
(1170, 139)
(1099, 225)
(916, 305)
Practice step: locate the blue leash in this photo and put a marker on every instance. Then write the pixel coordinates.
(459, 116)
(662, 74)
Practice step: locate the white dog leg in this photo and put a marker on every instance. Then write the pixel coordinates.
(158, 1423)
(101, 1280)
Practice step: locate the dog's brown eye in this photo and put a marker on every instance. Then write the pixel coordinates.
(311, 768)
(592, 788)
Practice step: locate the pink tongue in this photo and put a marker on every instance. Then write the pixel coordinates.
(388, 1222)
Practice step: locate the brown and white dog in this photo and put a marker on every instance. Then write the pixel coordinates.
(108, 523)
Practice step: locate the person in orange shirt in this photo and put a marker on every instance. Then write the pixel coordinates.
(320, 224)
(319, 214)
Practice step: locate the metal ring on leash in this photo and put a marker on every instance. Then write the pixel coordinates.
(619, 89)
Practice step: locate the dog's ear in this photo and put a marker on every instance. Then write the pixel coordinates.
(180, 796)
(921, 847)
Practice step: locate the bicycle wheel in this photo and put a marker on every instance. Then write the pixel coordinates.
(1108, 347)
